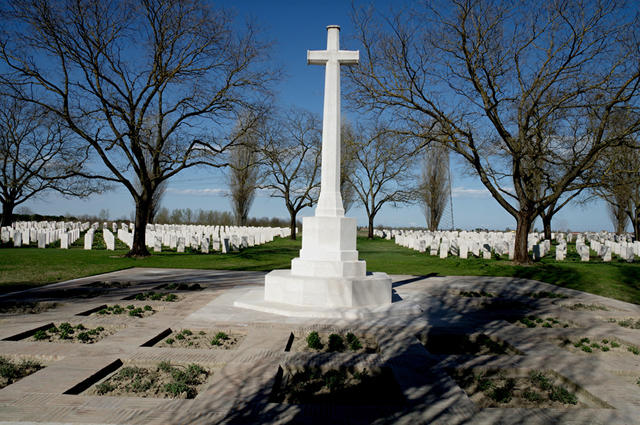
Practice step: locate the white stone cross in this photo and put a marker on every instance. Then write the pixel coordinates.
(330, 201)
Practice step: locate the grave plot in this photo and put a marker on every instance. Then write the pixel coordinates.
(13, 370)
(538, 322)
(109, 284)
(456, 343)
(518, 388)
(630, 323)
(545, 294)
(130, 310)
(24, 307)
(336, 386)
(585, 307)
(65, 333)
(476, 294)
(326, 342)
(586, 345)
(162, 380)
(198, 338)
(180, 287)
(154, 296)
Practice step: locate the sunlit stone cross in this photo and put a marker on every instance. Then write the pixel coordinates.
(330, 201)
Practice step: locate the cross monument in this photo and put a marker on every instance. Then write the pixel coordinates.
(327, 277)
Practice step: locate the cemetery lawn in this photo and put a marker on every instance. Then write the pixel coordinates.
(22, 268)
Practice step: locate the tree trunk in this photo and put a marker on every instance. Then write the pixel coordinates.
(139, 248)
(523, 224)
(292, 224)
(636, 227)
(546, 223)
(370, 233)
(7, 213)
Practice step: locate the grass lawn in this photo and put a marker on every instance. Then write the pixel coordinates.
(26, 267)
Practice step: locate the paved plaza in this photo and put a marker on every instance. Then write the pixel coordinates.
(242, 379)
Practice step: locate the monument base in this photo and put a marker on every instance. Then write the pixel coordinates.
(281, 286)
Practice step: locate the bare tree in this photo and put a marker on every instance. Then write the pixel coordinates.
(433, 191)
(36, 155)
(112, 70)
(383, 169)
(619, 185)
(290, 154)
(243, 172)
(523, 91)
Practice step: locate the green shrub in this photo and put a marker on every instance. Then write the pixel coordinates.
(155, 297)
(40, 335)
(605, 348)
(484, 384)
(540, 380)
(187, 332)
(561, 394)
(587, 349)
(80, 327)
(170, 297)
(353, 341)
(84, 337)
(222, 336)
(53, 329)
(633, 349)
(504, 393)
(140, 297)
(104, 388)
(531, 396)
(148, 308)
(615, 344)
(130, 307)
(169, 341)
(336, 343)
(164, 366)
(547, 325)
(99, 329)
(313, 341)
(66, 327)
(180, 336)
(177, 388)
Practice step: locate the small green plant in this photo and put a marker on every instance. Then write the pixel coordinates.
(187, 332)
(100, 329)
(353, 341)
(484, 384)
(40, 335)
(177, 388)
(638, 381)
(561, 394)
(130, 307)
(140, 297)
(635, 350)
(104, 388)
(540, 380)
(547, 325)
(336, 343)
(585, 340)
(84, 337)
(595, 345)
(587, 349)
(614, 344)
(80, 327)
(531, 396)
(169, 341)
(605, 348)
(164, 366)
(66, 327)
(180, 336)
(170, 297)
(313, 341)
(504, 393)
(605, 341)
(148, 308)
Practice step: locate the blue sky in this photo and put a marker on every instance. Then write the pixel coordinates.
(295, 27)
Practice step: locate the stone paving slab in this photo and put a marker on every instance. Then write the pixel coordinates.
(243, 377)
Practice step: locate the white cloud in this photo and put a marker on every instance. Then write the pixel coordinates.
(463, 192)
(210, 191)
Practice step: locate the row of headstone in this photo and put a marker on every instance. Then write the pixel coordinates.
(43, 233)
(222, 239)
(486, 244)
